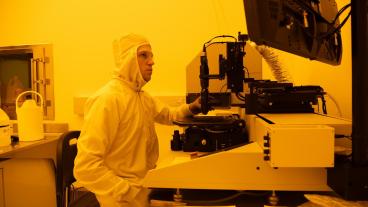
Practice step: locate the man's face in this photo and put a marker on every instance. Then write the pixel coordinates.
(145, 61)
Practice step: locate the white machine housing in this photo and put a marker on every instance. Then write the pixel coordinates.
(294, 140)
(301, 147)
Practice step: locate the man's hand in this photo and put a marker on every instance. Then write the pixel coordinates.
(195, 106)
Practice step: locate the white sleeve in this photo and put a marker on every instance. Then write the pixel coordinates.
(101, 124)
(166, 115)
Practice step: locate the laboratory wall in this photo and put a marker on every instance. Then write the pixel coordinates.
(82, 32)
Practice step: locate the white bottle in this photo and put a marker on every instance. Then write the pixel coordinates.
(30, 119)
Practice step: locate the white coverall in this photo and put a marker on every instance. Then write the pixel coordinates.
(118, 143)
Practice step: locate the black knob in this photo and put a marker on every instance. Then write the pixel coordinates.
(176, 143)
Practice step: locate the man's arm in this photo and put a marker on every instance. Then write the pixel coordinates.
(166, 115)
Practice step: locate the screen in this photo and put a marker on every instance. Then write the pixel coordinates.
(296, 26)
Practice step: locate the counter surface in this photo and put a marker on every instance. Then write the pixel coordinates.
(10, 150)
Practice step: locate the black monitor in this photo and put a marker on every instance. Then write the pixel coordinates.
(296, 26)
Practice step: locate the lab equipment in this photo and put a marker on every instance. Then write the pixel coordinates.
(299, 146)
(209, 133)
(279, 152)
(231, 67)
(273, 97)
(312, 29)
(30, 118)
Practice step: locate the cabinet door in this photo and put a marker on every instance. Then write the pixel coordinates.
(42, 77)
(2, 201)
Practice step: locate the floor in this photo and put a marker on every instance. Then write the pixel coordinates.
(190, 197)
(231, 198)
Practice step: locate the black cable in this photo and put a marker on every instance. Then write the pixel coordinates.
(212, 43)
(310, 9)
(324, 107)
(340, 25)
(240, 97)
(337, 28)
(209, 42)
(340, 12)
(246, 69)
(220, 36)
(223, 87)
(331, 32)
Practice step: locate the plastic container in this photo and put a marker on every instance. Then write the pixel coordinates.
(30, 118)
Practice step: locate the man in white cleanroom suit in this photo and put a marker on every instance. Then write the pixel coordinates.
(118, 143)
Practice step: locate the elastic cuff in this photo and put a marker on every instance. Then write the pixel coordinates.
(131, 194)
(187, 111)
